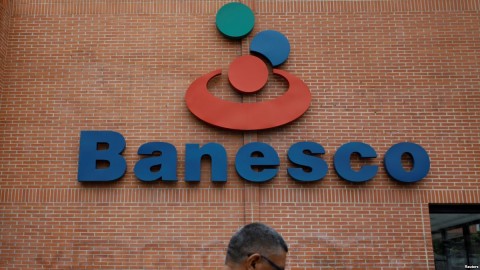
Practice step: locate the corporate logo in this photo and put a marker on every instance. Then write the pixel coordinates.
(248, 74)
(101, 152)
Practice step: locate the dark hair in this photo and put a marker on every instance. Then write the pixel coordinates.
(254, 238)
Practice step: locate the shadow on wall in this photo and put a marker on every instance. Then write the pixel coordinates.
(112, 254)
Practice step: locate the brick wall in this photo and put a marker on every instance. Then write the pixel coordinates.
(5, 14)
(380, 72)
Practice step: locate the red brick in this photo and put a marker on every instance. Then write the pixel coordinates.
(380, 72)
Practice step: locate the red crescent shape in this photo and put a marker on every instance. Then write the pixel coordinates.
(248, 116)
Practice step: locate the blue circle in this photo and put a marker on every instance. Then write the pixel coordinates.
(271, 44)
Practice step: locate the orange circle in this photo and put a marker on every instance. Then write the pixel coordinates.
(248, 74)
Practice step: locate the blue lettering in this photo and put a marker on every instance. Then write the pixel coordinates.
(257, 168)
(145, 169)
(394, 167)
(193, 159)
(100, 156)
(101, 160)
(342, 163)
(312, 168)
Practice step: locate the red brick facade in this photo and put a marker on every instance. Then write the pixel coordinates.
(380, 72)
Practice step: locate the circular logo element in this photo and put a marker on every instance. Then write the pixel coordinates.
(235, 20)
(271, 44)
(248, 116)
(248, 74)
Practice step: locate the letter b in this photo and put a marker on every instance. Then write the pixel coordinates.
(91, 155)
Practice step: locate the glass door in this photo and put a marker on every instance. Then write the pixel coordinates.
(455, 237)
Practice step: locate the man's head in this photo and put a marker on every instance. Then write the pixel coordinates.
(256, 246)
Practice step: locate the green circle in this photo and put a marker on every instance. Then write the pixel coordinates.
(235, 20)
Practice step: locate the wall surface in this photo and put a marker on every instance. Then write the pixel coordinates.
(5, 15)
(380, 72)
